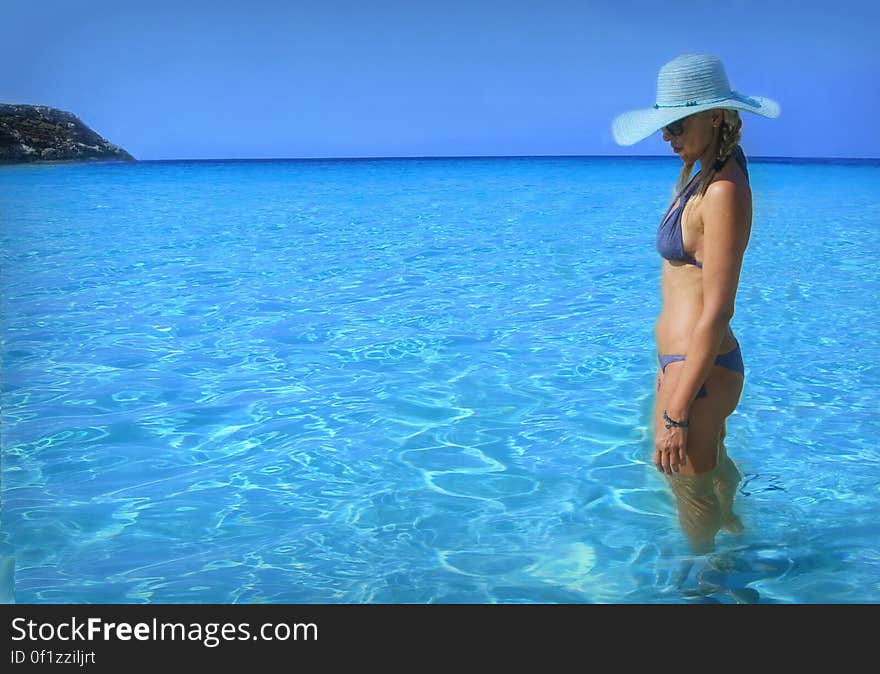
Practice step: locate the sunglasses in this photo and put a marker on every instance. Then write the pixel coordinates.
(676, 128)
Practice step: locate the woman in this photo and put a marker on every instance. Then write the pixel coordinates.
(702, 239)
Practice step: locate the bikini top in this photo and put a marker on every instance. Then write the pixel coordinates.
(670, 244)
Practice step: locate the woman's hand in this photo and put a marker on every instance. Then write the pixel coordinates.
(670, 448)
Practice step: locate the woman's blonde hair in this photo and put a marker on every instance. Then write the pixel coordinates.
(731, 128)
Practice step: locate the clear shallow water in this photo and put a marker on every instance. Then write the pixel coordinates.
(418, 381)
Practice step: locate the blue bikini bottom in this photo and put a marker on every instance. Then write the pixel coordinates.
(732, 360)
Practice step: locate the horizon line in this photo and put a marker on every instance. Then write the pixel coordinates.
(501, 156)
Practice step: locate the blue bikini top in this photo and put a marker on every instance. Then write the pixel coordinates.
(670, 244)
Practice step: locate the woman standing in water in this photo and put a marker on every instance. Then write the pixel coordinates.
(702, 239)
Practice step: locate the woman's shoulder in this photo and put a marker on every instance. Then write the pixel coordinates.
(730, 184)
(722, 189)
(728, 199)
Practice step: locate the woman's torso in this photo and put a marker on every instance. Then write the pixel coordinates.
(681, 282)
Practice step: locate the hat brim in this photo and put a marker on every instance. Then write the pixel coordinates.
(631, 127)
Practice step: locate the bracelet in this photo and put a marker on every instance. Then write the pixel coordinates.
(672, 422)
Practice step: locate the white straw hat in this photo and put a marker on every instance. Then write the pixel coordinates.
(687, 84)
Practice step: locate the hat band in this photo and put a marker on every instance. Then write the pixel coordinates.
(732, 95)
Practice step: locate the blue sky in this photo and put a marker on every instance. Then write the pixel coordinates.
(344, 78)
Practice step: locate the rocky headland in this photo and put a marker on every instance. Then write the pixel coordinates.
(30, 133)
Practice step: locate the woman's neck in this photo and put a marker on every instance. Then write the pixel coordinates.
(707, 159)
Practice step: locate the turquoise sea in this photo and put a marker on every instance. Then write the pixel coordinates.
(409, 381)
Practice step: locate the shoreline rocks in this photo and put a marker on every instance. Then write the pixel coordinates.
(38, 133)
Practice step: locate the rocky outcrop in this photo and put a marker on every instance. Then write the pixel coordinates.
(39, 133)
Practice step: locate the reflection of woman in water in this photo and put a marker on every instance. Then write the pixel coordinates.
(703, 238)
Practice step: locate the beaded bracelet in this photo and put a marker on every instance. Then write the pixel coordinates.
(671, 422)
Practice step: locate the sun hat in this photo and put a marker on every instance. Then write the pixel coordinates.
(687, 84)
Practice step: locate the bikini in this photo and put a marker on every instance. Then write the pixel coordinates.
(670, 245)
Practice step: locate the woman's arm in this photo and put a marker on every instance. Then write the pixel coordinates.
(725, 235)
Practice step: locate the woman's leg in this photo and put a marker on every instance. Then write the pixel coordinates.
(705, 486)
(727, 479)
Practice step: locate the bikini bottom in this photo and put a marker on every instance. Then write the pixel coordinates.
(732, 360)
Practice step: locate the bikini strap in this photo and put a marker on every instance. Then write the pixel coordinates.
(693, 181)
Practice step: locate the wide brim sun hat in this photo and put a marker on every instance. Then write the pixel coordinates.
(686, 85)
